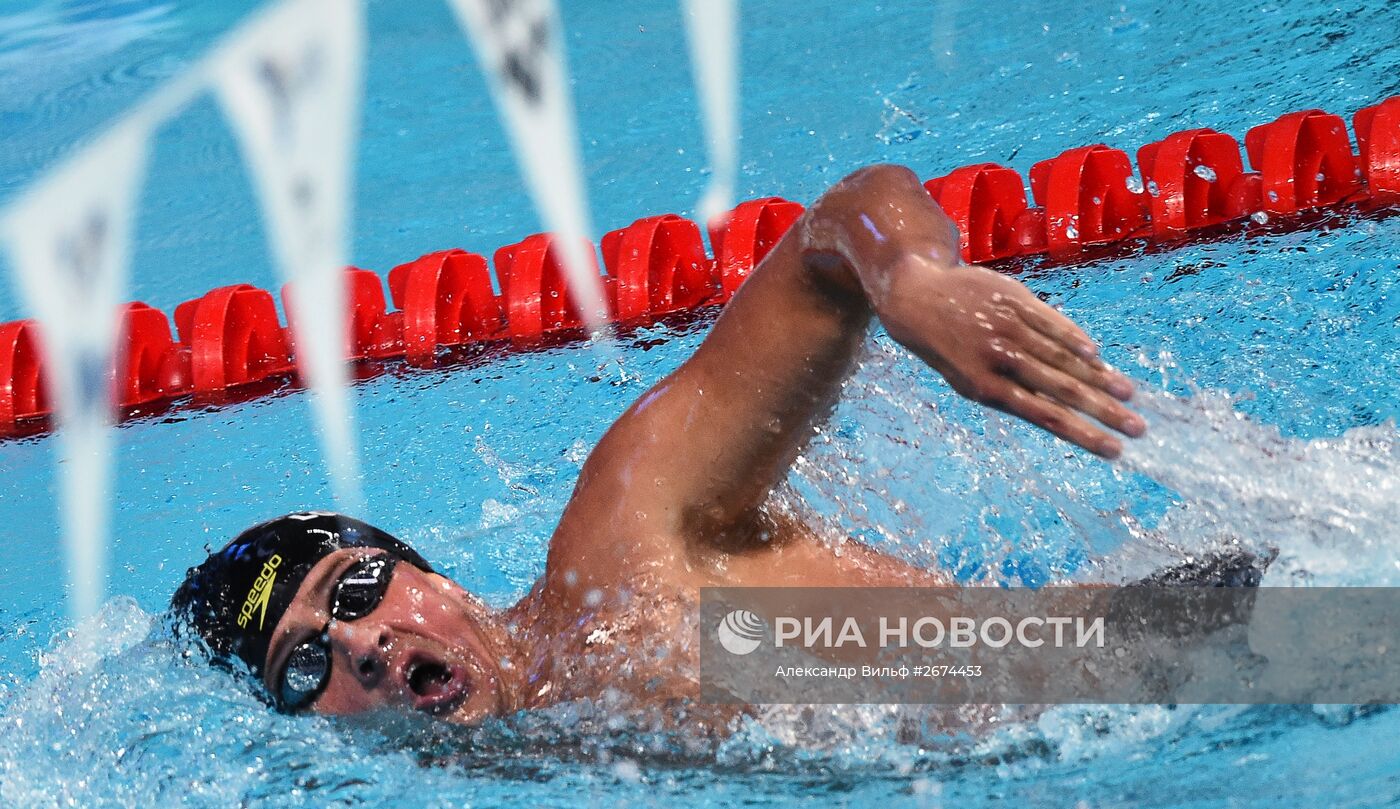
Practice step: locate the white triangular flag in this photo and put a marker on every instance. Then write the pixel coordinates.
(70, 239)
(290, 82)
(520, 46)
(714, 49)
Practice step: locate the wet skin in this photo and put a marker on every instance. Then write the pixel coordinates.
(670, 500)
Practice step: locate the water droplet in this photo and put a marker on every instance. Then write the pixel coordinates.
(1205, 173)
(1098, 200)
(1273, 196)
(1071, 231)
(1152, 188)
(627, 770)
(926, 787)
(1320, 177)
(1260, 217)
(1134, 184)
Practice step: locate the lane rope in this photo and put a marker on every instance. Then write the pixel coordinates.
(228, 344)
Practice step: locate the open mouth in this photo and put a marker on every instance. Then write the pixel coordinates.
(437, 688)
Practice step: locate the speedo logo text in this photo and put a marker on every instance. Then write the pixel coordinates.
(262, 590)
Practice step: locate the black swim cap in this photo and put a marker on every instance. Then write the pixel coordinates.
(236, 597)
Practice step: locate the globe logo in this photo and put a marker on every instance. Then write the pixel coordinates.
(741, 632)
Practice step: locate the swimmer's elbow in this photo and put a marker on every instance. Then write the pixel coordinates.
(879, 179)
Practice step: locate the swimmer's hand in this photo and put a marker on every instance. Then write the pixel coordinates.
(998, 344)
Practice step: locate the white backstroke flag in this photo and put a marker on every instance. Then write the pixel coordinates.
(714, 47)
(290, 82)
(70, 240)
(520, 47)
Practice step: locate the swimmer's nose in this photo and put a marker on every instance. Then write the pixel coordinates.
(364, 649)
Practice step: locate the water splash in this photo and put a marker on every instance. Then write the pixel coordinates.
(118, 710)
(907, 466)
(998, 501)
(1329, 505)
(121, 715)
(903, 119)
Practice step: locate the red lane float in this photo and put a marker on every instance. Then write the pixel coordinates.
(1378, 137)
(1304, 161)
(532, 283)
(744, 237)
(657, 265)
(1087, 199)
(1189, 178)
(985, 201)
(22, 388)
(234, 338)
(148, 367)
(446, 300)
(143, 369)
(374, 332)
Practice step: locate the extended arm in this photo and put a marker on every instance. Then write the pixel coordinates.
(696, 455)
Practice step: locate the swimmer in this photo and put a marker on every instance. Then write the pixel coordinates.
(335, 617)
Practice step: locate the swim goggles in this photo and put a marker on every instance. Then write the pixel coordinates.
(308, 668)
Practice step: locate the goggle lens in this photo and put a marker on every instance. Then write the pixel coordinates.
(361, 588)
(357, 594)
(306, 671)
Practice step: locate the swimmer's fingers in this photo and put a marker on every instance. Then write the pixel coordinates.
(1055, 325)
(1091, 372)
(1055, 418)
(1075, 394)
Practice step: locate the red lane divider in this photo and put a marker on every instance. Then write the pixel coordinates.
(23, 394)
(374, 332)
(746, 236)
(234, 338)
(658, 265)
(536, 294)
(987, 201)
(1190, 177)
(1084, 198)
(1304, 160)
(447, 301)
(1088, 199)
(1378, 136)
(152, 369)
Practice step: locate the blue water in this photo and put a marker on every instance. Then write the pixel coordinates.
(1268, 364)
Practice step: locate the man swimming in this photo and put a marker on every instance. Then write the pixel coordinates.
(336, 617)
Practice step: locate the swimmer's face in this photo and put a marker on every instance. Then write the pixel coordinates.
(418, 649)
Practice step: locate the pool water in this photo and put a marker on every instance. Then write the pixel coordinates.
(1267, 364)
